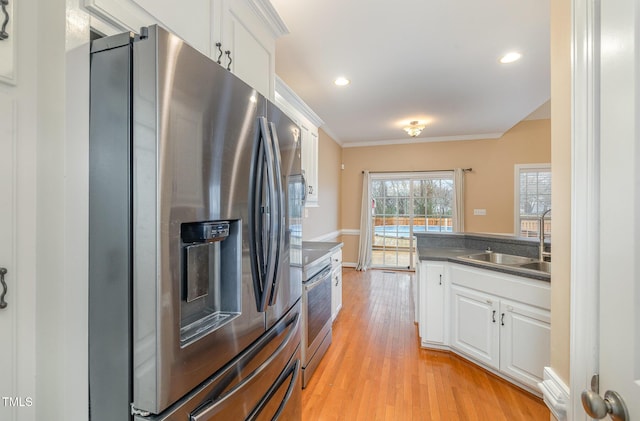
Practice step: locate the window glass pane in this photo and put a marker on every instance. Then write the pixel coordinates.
(419, 207)
(534, 199)
(402, 206)
(390, 207)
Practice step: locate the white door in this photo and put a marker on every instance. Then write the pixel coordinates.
(9, 400)
(618, 337)
(619, 206)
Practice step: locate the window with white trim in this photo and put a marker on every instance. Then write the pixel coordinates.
(532, 198)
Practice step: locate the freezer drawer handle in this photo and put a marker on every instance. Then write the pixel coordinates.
(291, 324)
(293, 371)
(3, 303)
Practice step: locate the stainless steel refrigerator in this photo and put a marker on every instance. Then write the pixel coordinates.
(195, 212)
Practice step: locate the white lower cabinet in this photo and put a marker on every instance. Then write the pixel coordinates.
(336, 283)
(501, 321)
(431, 311)
(474, 325)
(524, 341)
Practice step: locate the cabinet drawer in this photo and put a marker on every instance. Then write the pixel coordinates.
(516, 288)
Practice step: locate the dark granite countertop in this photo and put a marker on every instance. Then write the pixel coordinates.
(451, 255)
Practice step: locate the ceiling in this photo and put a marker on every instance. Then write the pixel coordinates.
(428, 60)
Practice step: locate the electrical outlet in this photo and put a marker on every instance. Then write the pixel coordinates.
(481, 212)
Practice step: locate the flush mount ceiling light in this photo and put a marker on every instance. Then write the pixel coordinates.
(510, 57)
(342, 81)
(414, 128)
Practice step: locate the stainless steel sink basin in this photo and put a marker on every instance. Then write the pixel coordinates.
(538, 265)
(500, 258)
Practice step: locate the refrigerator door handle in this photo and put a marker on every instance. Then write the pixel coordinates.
(273, 220)
(279, 199)
(261, 241)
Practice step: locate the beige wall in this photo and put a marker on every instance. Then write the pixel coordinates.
(561, 187)
(325, 219)
(489, 186)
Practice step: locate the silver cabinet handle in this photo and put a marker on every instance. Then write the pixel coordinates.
(219, 46)
(228, 53)
(3, 303)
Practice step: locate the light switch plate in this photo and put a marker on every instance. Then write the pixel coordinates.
(480, 212)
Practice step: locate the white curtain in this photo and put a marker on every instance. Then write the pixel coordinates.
(364, 249)
(458, 200)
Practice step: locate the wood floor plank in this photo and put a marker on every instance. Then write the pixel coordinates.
(376, 370)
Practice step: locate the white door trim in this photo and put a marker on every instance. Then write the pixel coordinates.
(585, 197)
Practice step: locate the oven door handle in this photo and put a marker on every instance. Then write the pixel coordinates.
(316, 280)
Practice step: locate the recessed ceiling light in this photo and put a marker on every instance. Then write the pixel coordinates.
(510, 57)
(342, 81)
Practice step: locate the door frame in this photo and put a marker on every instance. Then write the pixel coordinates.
(585, 198)
(407, 175)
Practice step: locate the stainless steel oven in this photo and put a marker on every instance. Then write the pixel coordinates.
(316, 316)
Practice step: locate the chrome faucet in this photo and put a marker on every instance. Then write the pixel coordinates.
(543, 253)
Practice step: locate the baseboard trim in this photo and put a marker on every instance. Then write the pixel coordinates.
(555, 394)
(350, 232)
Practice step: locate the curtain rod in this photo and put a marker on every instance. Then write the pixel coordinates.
(388, 172)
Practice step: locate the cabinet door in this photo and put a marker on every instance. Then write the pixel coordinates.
(474, 325)
(336, 279)
(309, 146)
(190, 20)
(251, 46)
(336, 292)
(524, 342)
(433, 288)
(415, 290)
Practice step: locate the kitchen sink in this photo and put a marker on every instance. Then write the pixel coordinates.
(538, 265)
(490, 258)
(500, 259)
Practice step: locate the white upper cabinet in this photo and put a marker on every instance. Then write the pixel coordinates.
(191, 20)
(248, 32)
(309, 122)
(246, 29)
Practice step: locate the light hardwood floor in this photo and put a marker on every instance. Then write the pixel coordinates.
(375, 369)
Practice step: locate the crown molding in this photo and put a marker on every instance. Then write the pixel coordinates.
(269, 15)
(292, 98)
